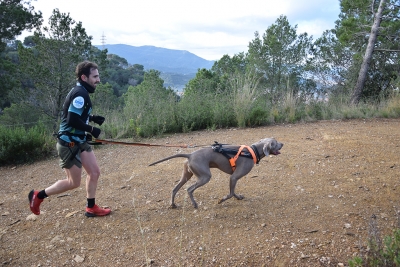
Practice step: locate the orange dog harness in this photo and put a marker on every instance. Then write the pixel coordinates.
(232, 161)
(252, 153)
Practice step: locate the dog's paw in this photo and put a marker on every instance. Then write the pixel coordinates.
(238, 197)
(173, 206)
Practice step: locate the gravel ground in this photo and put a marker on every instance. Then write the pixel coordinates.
(312, 205)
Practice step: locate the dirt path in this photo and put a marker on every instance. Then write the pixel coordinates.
(309, 206)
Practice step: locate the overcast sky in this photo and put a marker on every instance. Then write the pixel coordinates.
(207, 28)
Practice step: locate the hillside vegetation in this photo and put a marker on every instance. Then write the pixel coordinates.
(284, 77)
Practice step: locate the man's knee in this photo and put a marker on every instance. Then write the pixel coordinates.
(74, 184)
(94, 174)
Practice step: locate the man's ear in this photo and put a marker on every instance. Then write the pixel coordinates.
(84, 78)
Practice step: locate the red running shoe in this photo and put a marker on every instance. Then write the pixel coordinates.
(96, 211)
(34, 202)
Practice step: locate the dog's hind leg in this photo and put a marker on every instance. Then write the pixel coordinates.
(186, 175)
(202, 178)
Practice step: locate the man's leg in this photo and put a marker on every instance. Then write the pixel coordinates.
(73, 181)
(92, 169)
(89, 163)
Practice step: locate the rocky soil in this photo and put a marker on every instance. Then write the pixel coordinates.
(310, 206)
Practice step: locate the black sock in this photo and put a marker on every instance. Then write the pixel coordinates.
(42, 194)
(90, 202)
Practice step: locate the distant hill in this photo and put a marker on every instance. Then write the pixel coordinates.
(177, 67)
(161, 59)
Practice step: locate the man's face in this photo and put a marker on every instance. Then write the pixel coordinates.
(93, 78)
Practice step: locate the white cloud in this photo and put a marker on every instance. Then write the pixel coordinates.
(314, 27)
(207, 28)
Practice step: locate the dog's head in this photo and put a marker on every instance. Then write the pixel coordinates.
(271, 146)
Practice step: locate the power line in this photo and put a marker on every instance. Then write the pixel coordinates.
(103, 40)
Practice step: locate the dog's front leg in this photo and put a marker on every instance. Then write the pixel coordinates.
(232, 185)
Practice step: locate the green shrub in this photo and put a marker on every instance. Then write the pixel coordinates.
(18, 145)
(316, 110)
(222, 112)
(277, 116)
(379, 254)
(392, 107)
(258, 116)
(195, 112)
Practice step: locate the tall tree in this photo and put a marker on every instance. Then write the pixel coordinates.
(370, 30)
(280, 54)
(362, 76)
(149, 106)
(204, 82)
(227, 69)
(15, 16)
(330, 66)
(50, 64)
(121, 75)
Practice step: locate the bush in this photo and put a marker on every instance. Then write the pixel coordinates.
(258, 116)
(392, 108)
(18, 145)
(195, 112)
(379, 254)
(316, 110)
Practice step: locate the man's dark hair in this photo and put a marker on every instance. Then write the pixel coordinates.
(85, 68)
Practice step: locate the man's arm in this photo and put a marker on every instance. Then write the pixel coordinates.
(75, 121)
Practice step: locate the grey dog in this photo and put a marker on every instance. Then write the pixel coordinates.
(199, 163)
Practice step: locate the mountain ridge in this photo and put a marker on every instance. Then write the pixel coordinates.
(158, 58)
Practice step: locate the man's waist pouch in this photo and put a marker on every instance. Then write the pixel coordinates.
(67, 144)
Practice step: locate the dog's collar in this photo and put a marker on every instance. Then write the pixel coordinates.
(258, 158)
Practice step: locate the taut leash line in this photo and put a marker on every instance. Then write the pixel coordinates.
(102, 141)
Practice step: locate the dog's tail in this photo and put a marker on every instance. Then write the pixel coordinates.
(171, 157)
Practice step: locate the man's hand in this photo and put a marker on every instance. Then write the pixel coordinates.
(97, 119)
(95, 132)
(89, 137)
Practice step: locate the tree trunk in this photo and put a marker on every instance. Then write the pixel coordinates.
(362, 75)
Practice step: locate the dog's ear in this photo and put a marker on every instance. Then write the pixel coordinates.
(267, 148)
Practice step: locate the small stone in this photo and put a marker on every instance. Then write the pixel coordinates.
(304, 256)
(57, 238)
(79, 259)
(31, 217)
(71, 214)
